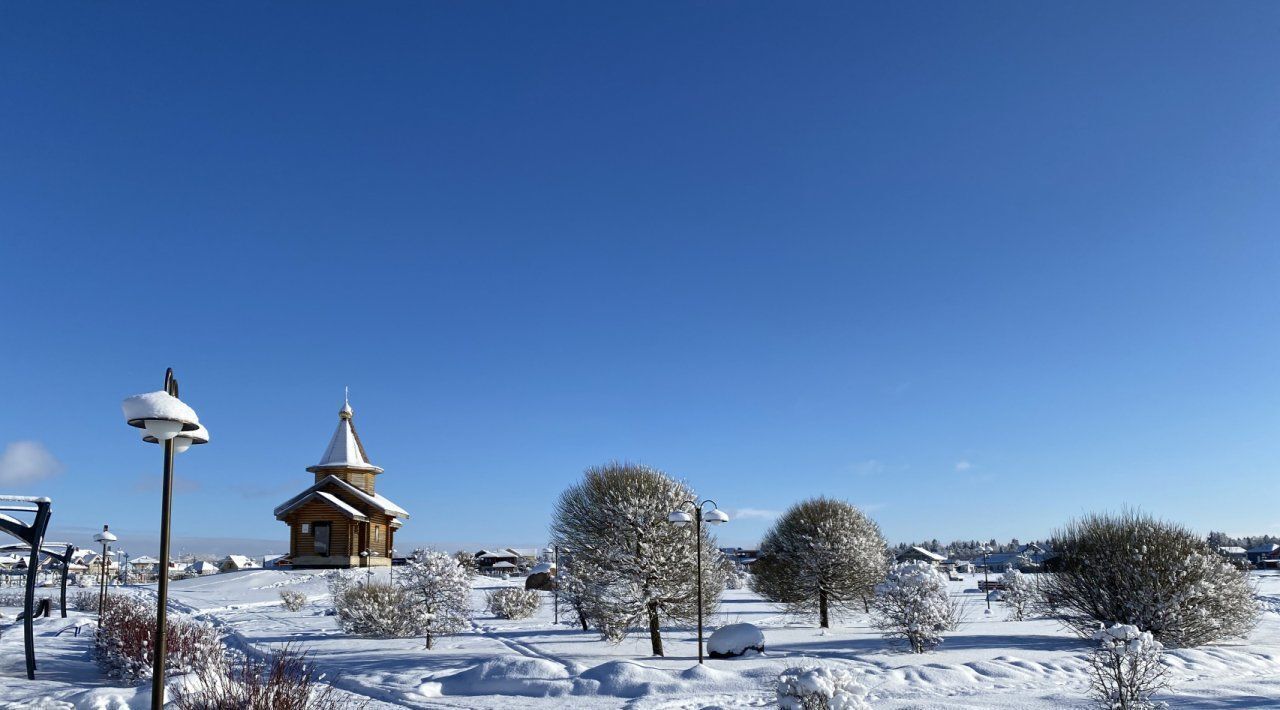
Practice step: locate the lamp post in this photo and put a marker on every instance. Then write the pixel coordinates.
(104, 538)
(715, 516)
(124, 568)
(391, 569)
(986, 581)
(168, 421)
(368, 571)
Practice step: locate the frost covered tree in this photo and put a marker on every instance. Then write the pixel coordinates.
(439, 592)
(634, 567)
(467, 561)
(573, 592)
(1131, 568)
(513, 603)
(912, 603)
(1019, 593)
(371, 609)
(822, 556)
(1126, 669)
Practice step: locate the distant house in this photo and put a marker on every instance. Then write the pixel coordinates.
(202, 568)
(1263, 556)
(276, 561)
(494, 562)
(744, 558)
(9, 562)
(919, 554)
(144, 566)
(1027, 558)
(235, 563)
(1234, 553)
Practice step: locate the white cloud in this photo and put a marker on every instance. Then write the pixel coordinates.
(870, 467)
(27, 462)
(759, 513)
(963, 465)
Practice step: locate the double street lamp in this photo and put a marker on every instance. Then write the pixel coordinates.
(680, 518)
(168, 421)
(104, 538)
(986, 568)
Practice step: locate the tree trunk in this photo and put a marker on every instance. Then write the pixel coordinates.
(428, 641)
(582, 619)
(866, 604)
(655, 634)
(823, 620)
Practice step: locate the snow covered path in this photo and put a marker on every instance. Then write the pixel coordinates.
(988, 663)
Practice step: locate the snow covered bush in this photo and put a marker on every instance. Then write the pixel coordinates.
(292, 600)
(820, 688)
(573, 592)
(125, 637)
(735, 640)
(513, 603)
(376, 609)
(285, 680)
(822, 556)
(635, 568)
(1131, 568)
(438, 591)
(1019, 593)
(912, 603)
(1126, 669)
(735, 579)
(82, 600)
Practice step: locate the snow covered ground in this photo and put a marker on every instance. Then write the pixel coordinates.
(988, 663)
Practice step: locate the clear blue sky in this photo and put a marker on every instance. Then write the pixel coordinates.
(979, 268)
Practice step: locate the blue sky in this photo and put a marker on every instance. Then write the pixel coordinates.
(978, 268)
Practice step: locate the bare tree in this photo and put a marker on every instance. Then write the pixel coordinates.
(913, 603)
(635, 567)
(821, 556)
(1126, 669)
(1133, 569)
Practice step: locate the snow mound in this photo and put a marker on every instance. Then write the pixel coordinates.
(627, 679)
(510, 675)
(735, 640)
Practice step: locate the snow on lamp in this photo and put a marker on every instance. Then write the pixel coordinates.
(160, 413)
(679, 517)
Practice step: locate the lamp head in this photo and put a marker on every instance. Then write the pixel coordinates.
(715, 516)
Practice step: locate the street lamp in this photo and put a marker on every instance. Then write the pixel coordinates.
(104, 538)
(679, 518)
(986, 581)
(392, 569)
(368, 571)
(168, 421)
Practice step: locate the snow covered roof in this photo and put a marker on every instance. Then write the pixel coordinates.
(240, 561)
(499, 555)
(1232, 550)
(503, 565)
(144, 560)
(345, 449)
(324, 497)
(377, 501)
(1267, 548)
(931, 555)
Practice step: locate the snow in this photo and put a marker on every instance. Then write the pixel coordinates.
(344, 449)
(735, 640)
(989, 662)
(158, 405)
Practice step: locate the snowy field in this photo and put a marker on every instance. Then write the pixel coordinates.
(988, 663)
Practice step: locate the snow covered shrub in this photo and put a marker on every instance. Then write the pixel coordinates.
(1019, 593)
(513, 603)
(292, 600)
(912, 603)
(1126, 669)
(82, 600)
(573, 591)
(1131, 568)
(635, 567)
(438, 591)
(820, 689)
(822, 556)
(377, 609)
(734, 579)
(285, 680)
(125, 638)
